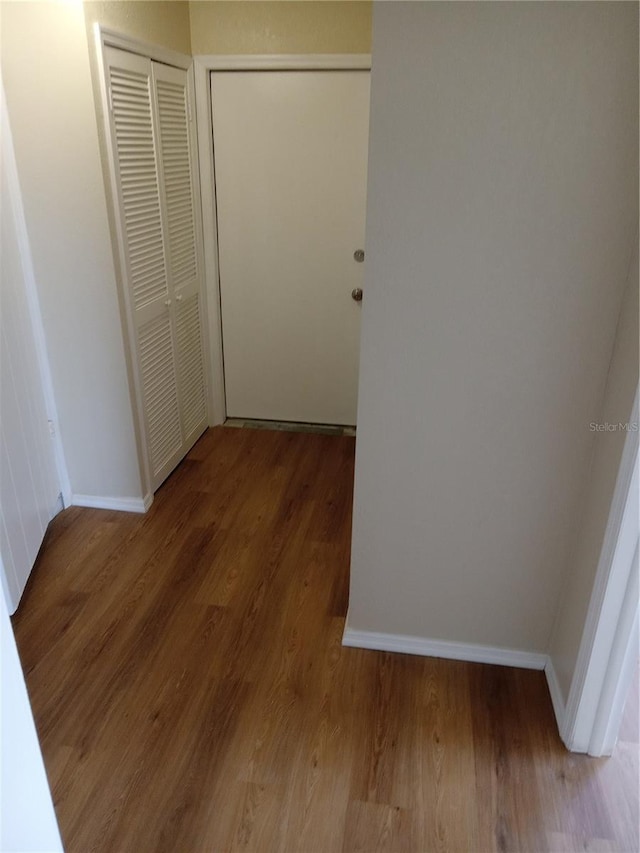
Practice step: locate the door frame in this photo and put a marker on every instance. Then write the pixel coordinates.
(203, 65)
(608, 652)
(104, 38)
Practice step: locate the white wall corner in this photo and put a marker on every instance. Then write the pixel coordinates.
(451, 650)
(27, 816)
(557, 699)
(139, 505)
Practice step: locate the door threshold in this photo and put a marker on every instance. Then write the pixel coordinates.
(290, 426)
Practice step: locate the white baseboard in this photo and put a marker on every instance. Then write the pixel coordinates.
(442, 649)
(559, 707)
(122, 504)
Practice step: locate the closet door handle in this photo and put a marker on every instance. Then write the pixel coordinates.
(179, 298)
(167, 302)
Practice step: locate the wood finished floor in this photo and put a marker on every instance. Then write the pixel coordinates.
(191, 692)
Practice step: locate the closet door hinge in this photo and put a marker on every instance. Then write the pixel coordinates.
(189, 108)
(110, 94)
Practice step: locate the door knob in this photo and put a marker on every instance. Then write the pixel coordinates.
(356, 294)
(358, 255)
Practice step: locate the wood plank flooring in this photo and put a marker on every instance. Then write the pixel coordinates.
(192, 694)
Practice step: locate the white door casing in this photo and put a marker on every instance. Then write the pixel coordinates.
(609, 645)
(290, 150)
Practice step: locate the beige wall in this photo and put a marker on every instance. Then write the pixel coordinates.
(622, 381)
(45, 66)
(252, 26)
(502, 212)
(165, 22)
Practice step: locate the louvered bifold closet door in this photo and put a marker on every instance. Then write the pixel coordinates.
(177, 155)
(144, 239)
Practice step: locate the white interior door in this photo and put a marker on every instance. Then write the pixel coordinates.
(153, 145)
(29, 484)
(290, 151)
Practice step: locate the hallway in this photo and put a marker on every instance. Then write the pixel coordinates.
(192, 694)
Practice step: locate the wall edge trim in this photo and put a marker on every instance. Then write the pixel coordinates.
(140, 505)
(450, 650)
(284, 61)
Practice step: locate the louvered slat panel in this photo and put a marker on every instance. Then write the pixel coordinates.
(153, 150)
(157, 367)
(135, 151)
(176, 170)
(190, 364)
